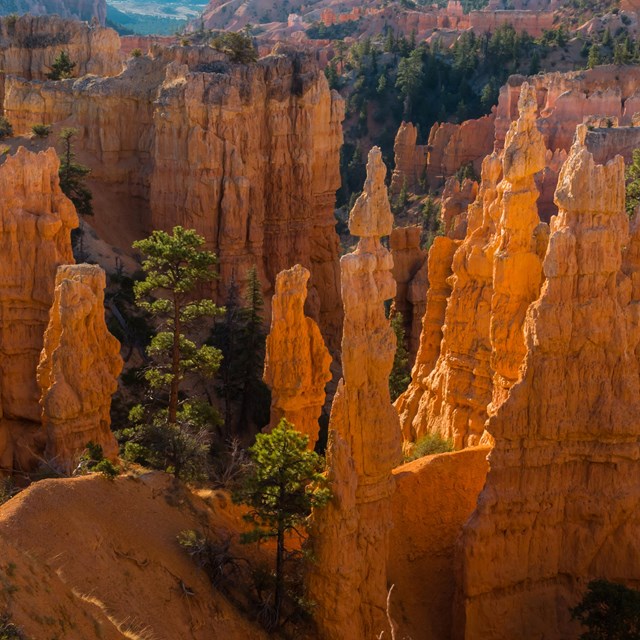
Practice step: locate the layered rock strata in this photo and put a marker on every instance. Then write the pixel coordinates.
(482, 328)
(245, 154)
(29, 45)
(567, 436)
(88, 10)
(79, 367)
(297, 363)
(410, 160)
(350, 540)
(36, 219)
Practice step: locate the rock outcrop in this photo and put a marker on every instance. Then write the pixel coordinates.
(410, 161)
(561, 503)
(245, 154)
(36, 221)
(88, 10)
(297, 363)
(485, 309)
(408, 260)
(455, 201)
(350, 539)
(451, 146)
(79, 367)
(29, 44)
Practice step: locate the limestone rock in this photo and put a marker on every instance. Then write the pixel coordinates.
(481, 345)
(79, 367)
(561, 503)
(455, 201)
(87, 10)
(363, 417)
(410, 160)
(245, 154)
(297, 363)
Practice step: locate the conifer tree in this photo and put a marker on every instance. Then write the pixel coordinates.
(284, 484)
(62, 67)
(400, 376)
(173, 429)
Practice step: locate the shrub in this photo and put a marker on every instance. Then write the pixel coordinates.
(428, 445)
(8, 630)
(93, 460)
(610, 611)
(7, 490)
(6, 129)
(62, 67)
(238, 46)
(136, 53)
(41, 130)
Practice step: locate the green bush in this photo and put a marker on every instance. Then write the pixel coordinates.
(93, 460)
(8, 630)
(136, 53)
(237, 45)
(6, 129)
(41, 130)
(428, 445)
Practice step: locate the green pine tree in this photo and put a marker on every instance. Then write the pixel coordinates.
(172, 428)
(632, 190)
(284, 484)
(62, 67)
(400, 376)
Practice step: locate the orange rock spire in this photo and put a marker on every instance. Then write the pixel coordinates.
(297, 363)
(349, 582)
(561, 502)
(79, 367)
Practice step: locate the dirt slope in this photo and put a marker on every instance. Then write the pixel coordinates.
(87, 558)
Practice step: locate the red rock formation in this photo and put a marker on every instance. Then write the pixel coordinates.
(408, 260)
(455, 201)
(36, 219)
(79, 368)
(451, 146)
(532, 22)
(29, 45)
(410, 161)
(567, 437)
(245, 154)
(349, 582)
(484, 314)
(297, 364)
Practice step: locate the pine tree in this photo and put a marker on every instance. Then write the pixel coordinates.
(72, 175)
(400, 376)
(62, 67)
(632, 175)
(594, 56)
(176, 268)
(284, 484)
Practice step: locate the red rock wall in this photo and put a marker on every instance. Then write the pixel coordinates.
(531, 22)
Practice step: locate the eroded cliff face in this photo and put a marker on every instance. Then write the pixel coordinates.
(481, 346)
(30, 43)
(410, 160)
(36, 219)
(79, 367)
(561, 501)
(297, 363)
(245, 154)
(89, 10)
(350, 539)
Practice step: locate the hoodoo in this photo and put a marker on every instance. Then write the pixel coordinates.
(297, 363)
(351, 537)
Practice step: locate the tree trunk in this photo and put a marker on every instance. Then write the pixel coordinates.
(175, 365)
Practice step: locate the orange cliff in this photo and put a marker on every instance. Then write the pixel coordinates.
(297, 363)
(56, 382)
(245, 154)
(79, 367)
(484, 312)
(567, 436)
(350, 537)
(36, 221)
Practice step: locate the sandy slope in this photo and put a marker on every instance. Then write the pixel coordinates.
(88, 558)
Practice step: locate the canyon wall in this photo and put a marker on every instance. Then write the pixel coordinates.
(297, 363)
(245, 154)
(88, 10)
(350, 538)
(481, 348)
(79, 367)
(532, 22)
(567, 436)
(29, 44)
